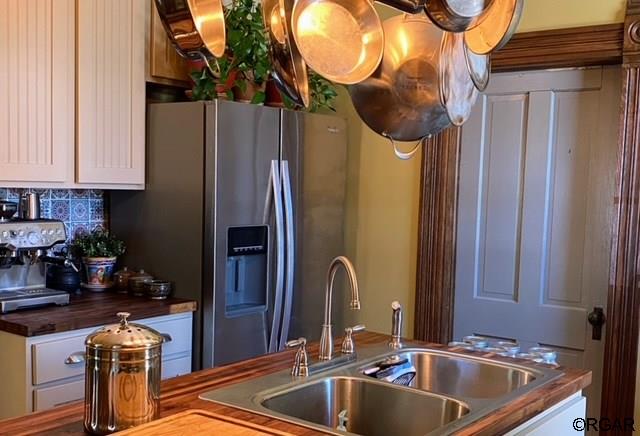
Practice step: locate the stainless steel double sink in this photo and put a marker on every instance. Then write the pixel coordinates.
(449, 392)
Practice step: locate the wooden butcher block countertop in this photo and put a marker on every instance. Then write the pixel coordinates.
(181, 394)
(89, 309)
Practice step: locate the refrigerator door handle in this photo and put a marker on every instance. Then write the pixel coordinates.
(291, 253)
(274, 196)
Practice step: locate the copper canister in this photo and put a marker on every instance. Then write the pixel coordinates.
(122, 380)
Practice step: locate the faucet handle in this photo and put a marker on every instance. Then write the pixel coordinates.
(301, 362)
(300, 342)
(348, 346)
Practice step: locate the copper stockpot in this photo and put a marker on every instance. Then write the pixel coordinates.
(122, 380)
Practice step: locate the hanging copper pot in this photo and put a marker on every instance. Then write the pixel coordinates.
(195, 27)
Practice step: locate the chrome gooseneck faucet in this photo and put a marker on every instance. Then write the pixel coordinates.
(326, 341)
(396, 326)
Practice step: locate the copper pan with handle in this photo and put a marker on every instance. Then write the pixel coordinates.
(456, 15)
(195, 27)
(496, 27)
(289, 69)
(341, 40)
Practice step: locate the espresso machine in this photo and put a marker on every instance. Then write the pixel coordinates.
(24, 243)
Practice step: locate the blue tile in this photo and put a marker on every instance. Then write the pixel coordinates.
(96, 210)
(79, 210)
(45, 208)
(79, 229)
(97, 227)
(80, 193)
(14, 194)
(60, 210)
(44, 193)
(59, 194)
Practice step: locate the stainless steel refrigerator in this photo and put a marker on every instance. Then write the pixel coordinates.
(243, 211)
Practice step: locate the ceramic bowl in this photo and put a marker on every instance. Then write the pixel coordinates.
(157, 289)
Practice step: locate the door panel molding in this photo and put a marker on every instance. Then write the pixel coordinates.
(435, 283)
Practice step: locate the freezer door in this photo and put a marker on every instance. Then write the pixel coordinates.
(315, 150)
(240, 248)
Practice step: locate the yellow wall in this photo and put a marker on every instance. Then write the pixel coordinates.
(384, 192)
(383, 217)
(554, 14)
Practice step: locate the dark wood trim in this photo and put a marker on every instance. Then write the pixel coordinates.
(577, 47)
(623, 303)
(562, 48)
(437, 238)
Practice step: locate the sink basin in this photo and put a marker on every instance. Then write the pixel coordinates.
(450, 391)
(458, 376)
(368, 405)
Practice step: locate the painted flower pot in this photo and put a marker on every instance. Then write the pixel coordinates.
(98, 273)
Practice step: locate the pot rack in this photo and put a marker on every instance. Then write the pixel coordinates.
(344, 41)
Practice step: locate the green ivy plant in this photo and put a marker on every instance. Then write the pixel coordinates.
(204, 85)
(98, 243)
(246, 58)
(323, 93)
(248, 44)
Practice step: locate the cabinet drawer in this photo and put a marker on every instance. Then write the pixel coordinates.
(175, 367)
(49, 359)
(46, 398)
(180, 332)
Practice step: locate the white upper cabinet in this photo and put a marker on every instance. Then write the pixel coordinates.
(72, 93)
(37, 70)
(111, 91)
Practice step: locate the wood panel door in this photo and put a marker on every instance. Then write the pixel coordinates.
(37, 70)
(111, 91)
(537, 183)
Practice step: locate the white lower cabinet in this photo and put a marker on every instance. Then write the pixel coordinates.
(46, 398)
(49, 374)
(565, 418)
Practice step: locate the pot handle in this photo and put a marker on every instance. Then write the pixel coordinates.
(407, 6)
(405, 155)
(167, 337)
(75, 358)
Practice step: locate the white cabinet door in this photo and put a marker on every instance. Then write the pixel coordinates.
(111, 91)
(37, 70)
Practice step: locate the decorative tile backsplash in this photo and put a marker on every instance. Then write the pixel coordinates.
(81, 210)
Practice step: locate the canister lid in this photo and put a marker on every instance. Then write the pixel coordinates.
(124, 336)
(125, 272)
